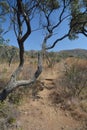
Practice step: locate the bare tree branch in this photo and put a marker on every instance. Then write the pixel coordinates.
(61, 15)
(59, 39)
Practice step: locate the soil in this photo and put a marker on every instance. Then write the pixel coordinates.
(41, 115)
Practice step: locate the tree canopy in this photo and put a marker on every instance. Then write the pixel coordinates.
(50, 14)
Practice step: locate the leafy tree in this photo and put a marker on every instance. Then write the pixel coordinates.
(71, 13)
(78, 23)
(53, 14)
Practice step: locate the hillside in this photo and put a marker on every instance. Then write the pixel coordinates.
(8, 52)
(80, 53)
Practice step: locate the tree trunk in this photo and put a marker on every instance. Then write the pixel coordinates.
(14, 83)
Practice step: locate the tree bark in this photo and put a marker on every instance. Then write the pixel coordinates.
(13, 83)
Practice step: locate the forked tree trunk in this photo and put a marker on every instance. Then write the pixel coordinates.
(14, 83)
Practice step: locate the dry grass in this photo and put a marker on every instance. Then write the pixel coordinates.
(59, 95)
(67, 85)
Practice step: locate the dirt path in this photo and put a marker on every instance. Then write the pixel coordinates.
(40, 115)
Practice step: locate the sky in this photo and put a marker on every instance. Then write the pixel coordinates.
(35, 40)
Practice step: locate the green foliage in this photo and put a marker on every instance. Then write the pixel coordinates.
(4, 7)
(49, 5)
(75, 7)
(76, 25)
(8, 54)
(11, 120)
(4, 10)
(52, 4)
(78, 21)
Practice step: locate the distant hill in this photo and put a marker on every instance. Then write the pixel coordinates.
(11, 53)
(79, 53)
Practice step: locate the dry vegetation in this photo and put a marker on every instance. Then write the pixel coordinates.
(56, 102)
(70, 92)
